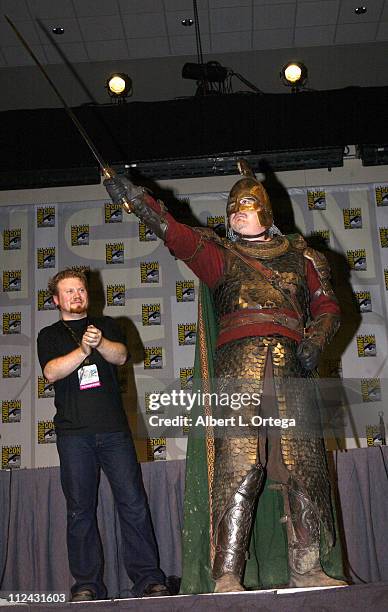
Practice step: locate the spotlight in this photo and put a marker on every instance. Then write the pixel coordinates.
(294, 74)
(119, 86)
(212, 72)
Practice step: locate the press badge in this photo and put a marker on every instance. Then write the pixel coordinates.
(88, 377)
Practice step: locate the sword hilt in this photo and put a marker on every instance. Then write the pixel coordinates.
(125, 202)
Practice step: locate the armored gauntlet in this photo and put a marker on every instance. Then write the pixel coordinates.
(140, 201)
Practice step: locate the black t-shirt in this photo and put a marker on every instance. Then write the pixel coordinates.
(94, 410)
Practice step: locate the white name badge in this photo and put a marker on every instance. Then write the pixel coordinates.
(88, 377)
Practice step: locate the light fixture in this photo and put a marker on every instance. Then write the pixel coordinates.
(187, 22)
(119, 86)
(360, 10)
(212, 72)
(294, 74)
(58, 30)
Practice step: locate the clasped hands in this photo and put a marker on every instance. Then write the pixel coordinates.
(91, 339)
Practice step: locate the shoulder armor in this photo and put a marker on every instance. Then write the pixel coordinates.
(297, 242)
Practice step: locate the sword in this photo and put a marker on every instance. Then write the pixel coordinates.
(107, 171)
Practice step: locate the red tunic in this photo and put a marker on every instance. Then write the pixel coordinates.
(207, 261)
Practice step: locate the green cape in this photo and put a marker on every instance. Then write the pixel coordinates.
(267, 565)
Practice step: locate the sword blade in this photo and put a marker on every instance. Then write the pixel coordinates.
(108, 172)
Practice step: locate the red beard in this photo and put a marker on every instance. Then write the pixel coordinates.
(78, 308)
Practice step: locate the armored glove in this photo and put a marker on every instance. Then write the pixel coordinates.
(135, 199)
(121, 190)
(308, 354)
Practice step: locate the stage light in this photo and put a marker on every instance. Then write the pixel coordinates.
(212, 72)
(294, 74)
(119, 85)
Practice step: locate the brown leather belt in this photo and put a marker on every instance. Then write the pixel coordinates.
(241, 318)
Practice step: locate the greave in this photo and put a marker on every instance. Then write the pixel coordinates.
(234, 527)
(303, 529)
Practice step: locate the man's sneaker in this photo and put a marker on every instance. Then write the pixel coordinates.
(84, 595)
(156, 590)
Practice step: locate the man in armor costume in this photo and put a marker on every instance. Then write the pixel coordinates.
(275, 311)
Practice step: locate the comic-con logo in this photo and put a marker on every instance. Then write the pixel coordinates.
(366, 345)
(324, 235)
(45, 216)
(146, 234)
(11, 457)
(364, 301)
(216, 223)
(383, 231)
(371, 389)
(12, 239)
(153, 358)
(150, 314)
(46, 257)
(12, 280)
(113, 213)
(11, 411)
(45, 300)
(186, 377)
(79, 235)
(84, 269)
(374, 435)
(46, 432)
(12, 322)
(114, 252)
(12, 366)
(45, 388)
(352, 218)
(149, 272)
(115, 295)
(185, 291)
(330, 368)
(357, 259)
(381, 194)
(187, 334)
(316, 200)
(156, 449)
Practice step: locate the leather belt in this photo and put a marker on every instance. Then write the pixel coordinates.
(240, 318)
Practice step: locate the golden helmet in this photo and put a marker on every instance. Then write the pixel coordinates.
(249, 194)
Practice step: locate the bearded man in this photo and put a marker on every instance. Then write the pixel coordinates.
(274, 311)
(80, 355)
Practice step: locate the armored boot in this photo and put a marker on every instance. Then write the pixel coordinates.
(233, 533)
(303, 527)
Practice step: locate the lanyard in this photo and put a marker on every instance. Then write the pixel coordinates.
(76, 338)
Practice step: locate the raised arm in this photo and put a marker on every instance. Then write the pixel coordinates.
(202, 256)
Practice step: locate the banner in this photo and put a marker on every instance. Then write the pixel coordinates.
(154, 298)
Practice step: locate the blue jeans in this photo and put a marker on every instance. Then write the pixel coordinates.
(81, 458)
